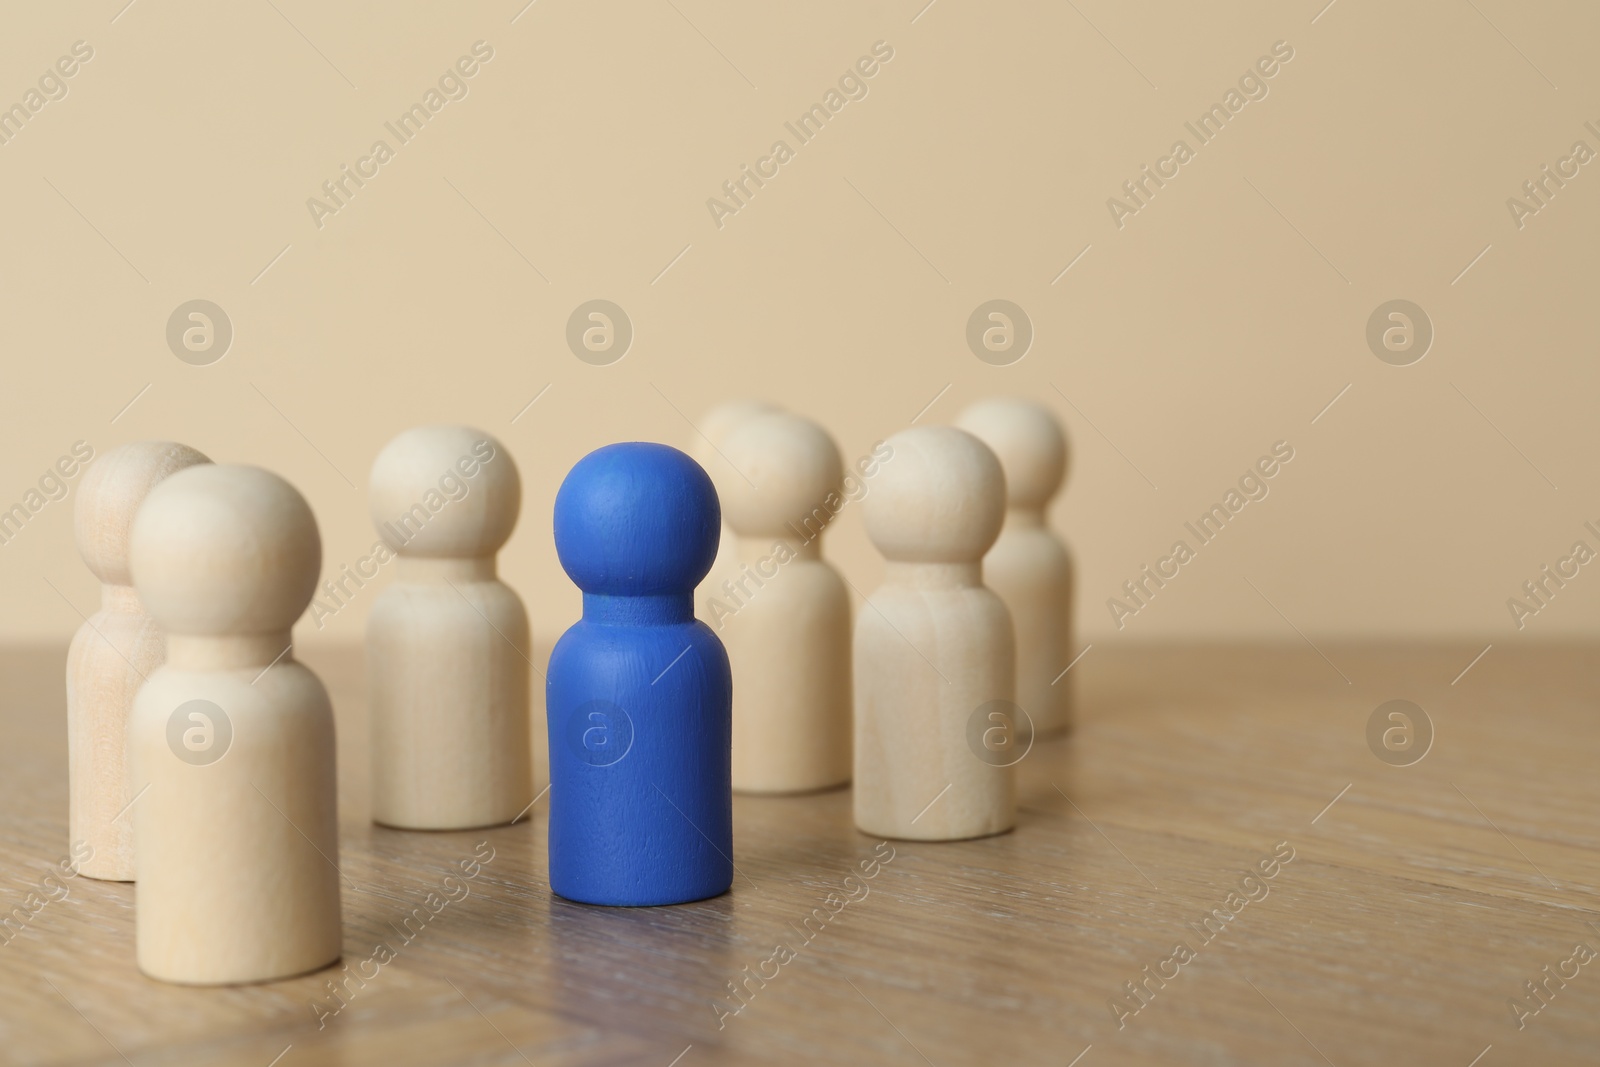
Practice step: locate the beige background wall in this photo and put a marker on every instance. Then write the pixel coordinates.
(1221, 318)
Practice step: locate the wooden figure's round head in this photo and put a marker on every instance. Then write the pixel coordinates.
(705, 448)
(1029, 442)
(444, 491)
(940, 497)
(225, 549)
(109, 497)
(783, 467)
(637, 519)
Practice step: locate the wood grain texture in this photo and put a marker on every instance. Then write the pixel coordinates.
(1405, 922)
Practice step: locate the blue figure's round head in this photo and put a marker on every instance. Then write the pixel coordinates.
(637, 519)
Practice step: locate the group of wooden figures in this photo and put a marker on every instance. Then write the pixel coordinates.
(202, 754)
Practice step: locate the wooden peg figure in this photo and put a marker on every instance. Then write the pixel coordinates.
(933, 647)
(111, 654)
(705, 448)
(231, 743)
(638, 690)
(447, 641)
(782, 610)
(1029, 565)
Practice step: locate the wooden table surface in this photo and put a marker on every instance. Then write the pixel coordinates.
(1418, 902)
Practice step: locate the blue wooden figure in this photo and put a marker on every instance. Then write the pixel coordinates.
(639, 695)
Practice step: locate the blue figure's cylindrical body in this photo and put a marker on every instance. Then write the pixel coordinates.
(639, 694)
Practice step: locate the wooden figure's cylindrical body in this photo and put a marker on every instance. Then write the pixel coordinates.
(917, 775)
(448, 644)
(111, 654)
(236, 876)
(1030, 570)
(789, 645)
(638, 692)
(937, 731)
(231, 742)
(641, 809)
(450, 745)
